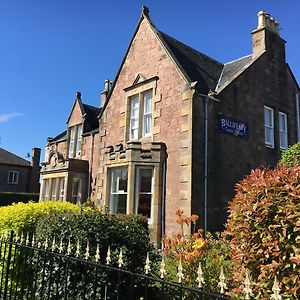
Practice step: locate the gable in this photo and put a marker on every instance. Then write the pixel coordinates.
(76, 114)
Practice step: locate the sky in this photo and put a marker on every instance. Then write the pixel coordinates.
(50, 49)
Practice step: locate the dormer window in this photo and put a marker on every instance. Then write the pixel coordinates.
(75, 141)
(140, 115)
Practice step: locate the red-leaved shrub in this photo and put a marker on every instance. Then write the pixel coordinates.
(264, 227)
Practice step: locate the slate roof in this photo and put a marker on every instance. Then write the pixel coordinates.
(197, 66)
(7, 157)
(91, 120)
(60, 136)
(232, 69)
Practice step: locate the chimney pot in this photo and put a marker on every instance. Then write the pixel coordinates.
(261, 19)
(268, 21)
(272, 24)
(276, 27)
(78, 95)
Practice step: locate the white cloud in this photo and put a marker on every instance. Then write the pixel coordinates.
(7, 117)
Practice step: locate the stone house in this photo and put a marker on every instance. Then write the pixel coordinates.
(178, 129)
(18, 175)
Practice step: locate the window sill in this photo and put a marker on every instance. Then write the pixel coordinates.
(270, 147)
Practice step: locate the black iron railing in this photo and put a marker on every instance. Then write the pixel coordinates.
(30, 271)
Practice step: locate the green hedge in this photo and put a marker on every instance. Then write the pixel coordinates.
(22, 217)
(129, 232)
(7, 198)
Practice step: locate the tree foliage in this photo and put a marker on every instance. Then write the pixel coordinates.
(264, 226)
(291, 156)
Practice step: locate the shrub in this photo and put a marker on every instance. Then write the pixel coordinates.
(22, 217)
(129, 232)
(291, 156)
(7, 198)
(191, 249)
(264, 226)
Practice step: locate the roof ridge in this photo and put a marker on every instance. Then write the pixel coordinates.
(90, 105)
(243, 57)
(193, 49)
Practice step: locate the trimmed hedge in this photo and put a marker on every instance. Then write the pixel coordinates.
(23, 217)
(129, 232)
(7, 198)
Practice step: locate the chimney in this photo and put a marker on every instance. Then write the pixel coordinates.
(35, 170)
(266, 37)
(107, 87)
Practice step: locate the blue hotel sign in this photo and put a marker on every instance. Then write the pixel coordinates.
(233, 127)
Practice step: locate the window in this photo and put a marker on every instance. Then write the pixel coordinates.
(143, 197)
(47, 187)
(118, 193)
(75, 141)
(140, 115)
(269, 126)
(53, 189)
(13, 177)
(61, 188)
(76, 191)
(283, 134)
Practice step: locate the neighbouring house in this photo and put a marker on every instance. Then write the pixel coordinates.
(19, 175)
(177, 129)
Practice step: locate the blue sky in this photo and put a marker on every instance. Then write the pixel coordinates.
(50, 49)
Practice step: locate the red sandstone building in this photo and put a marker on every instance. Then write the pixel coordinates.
(176, 129)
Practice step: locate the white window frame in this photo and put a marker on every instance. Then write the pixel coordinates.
(112, 205)
(75, 140)
(142, 116)
(137, 190)
(134, 119)
(79, 140)
(147, 114)
(61, 188)
(283, 131)
(270, 127)
(47, 189)
(14, 177)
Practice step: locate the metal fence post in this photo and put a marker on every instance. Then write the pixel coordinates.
(8, 265)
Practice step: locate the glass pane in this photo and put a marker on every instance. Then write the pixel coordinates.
(118, 203)
(119, 180)
(269, 136)
(123, 180)
(10, 177)
(134, 134)
(147, 101)
(268, 117)
(283, 140)
(282, 122)
(147, 124)
(134, 103)
(53, 189)
(144, 207)
(145, 180)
